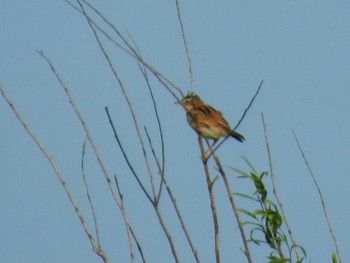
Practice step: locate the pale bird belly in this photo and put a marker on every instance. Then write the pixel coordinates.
(212, 132)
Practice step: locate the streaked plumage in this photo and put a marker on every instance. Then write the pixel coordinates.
(205, 120)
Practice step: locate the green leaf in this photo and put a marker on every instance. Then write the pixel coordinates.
(334, 258)
(246, 211)
(294, 247)
(250, 165)
(243, 174)
(274, 259)
(246, 196)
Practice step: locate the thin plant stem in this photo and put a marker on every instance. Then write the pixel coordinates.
(153, 202)
(171, 87)
(139, 248)
(325, 213)
(234, 208)
(131, 168)
(249, 105)
(90, 139)
(126, 97)
(210, 184)
(173, 200)
(98, 250)
(183, 226)
(274, 189)
(241, 119)
(92, 208)
(150, 173)
(189, 61)
(161, 168)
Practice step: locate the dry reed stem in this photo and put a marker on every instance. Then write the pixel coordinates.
(98, 250)
(87, 189)
(90, 139)
(173, 200)
(274, 189)
(210, 184)
(150, 173)
(246, 250)
(171, 87)
(139, 248)
(154, 205)
(325, 213)
(189, 61)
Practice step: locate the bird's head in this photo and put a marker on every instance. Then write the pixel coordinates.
(191, 101)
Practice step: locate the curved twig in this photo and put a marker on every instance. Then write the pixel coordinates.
(240, 120)
(171, 87)
(321, 198)
(150, 173)
(249, 105)
(161, 168)
(59, 175)
(90, 139)
(133, 171)
(189, 61)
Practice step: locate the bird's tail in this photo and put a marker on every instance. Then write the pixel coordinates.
(237, 136)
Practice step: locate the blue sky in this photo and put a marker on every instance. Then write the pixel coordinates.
(299, 48)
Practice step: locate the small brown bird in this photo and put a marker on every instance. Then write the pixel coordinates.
(205, 120)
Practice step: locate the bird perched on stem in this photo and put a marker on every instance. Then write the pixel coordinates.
(205, 120)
